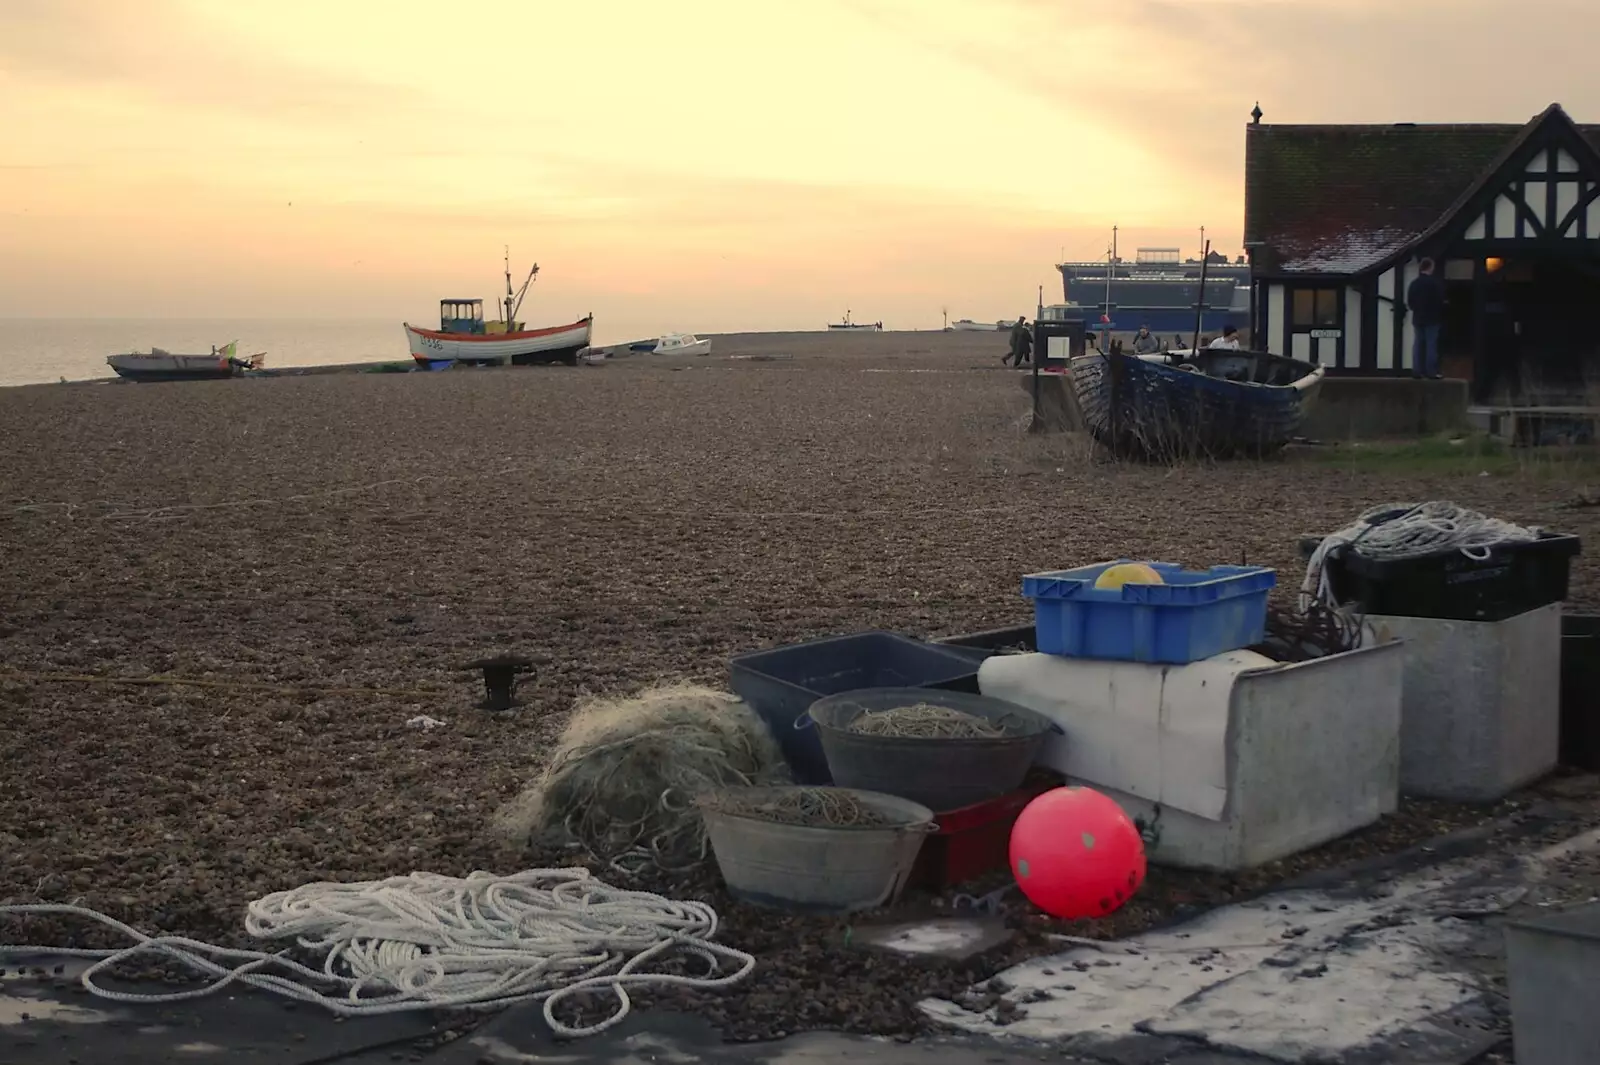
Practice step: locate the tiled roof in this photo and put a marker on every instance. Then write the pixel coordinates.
(1337, 199)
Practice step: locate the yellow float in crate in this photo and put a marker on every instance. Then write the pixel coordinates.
(1127, 573)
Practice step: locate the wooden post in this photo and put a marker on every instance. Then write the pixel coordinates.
(1480, 327)
(1038, 356)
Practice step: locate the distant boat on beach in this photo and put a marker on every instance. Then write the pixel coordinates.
(860, 327)
(464, 336)
(673, 344)
(967, 325)
(159, 365)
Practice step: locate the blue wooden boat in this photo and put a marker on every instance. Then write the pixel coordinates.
(1212, 403)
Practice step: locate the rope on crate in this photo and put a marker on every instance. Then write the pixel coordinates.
(426, 942)
(1409, 530)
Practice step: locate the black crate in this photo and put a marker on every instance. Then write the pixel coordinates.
(1511, 580)
(1580, 691)
(780, 684)
(981, 645)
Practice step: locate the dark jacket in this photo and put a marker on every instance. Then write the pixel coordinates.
(1021, 337)
(1425, 298)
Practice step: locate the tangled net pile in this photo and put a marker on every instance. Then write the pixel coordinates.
(796, 806)
(437, 942)
(924, 721)
(1407, 530)
(625, 773)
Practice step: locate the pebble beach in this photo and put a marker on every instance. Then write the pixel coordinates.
(224, 604)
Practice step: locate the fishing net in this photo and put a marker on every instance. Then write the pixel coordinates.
(924, 721)
(622, 781)
(814, 807)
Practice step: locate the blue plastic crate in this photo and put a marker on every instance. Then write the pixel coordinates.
(1194, 615)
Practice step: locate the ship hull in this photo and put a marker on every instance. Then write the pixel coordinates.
(561, 342)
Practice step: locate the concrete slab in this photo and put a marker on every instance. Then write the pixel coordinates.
(1382, 974)
(941, 940)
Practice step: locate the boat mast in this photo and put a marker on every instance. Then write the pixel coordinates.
(509, 326)
(514, 299)
(1111, 270)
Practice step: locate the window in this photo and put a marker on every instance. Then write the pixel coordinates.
(1315, 308)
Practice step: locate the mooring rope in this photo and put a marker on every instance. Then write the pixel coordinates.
(1409, 530)
(425, 942)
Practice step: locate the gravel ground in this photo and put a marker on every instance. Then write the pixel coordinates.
(622, 524)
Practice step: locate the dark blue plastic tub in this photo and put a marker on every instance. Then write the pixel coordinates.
(1196, 614)
(780, 684)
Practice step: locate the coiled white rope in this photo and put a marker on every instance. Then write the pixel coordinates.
(1408, 530)
(426, 941)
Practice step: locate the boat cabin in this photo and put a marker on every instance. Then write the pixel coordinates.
(461, 316)
(1338, 219)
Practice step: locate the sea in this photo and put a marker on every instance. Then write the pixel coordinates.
(44, 350)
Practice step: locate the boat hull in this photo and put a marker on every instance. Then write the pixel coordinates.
(556, 343)
(1248, 404)
(698, 347)
(165, 367)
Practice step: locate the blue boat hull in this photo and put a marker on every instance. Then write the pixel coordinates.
(1216, 404)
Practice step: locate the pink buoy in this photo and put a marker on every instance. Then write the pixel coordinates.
(1076, 854)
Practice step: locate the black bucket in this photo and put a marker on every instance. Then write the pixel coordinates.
(941, 774)
(1580, 691)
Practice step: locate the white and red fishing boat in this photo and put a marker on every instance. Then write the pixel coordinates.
(160, 365)
(464, 336)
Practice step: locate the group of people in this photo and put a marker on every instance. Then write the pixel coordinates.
(1144, 342)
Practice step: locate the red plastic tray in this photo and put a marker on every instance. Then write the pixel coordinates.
(973, 840)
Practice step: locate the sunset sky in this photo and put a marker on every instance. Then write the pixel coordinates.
(704, 165)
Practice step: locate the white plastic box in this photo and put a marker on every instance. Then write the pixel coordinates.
(1235, 760)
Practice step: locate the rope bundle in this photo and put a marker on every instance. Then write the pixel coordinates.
(1410, 530)
(427, 941)
(924, 721)
(812, 807)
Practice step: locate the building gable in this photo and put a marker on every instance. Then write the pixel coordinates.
(1549, 189)
(1343, 200)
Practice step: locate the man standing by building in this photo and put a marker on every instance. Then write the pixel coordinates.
(1425, 300)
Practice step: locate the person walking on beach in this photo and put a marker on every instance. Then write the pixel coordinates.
(1021, 343)
(1145, 343)
(1425, 300)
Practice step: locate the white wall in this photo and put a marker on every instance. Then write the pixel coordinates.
(1277, 314)
(1386, 289)
(1352, 328)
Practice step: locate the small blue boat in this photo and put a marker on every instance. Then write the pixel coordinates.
(1212, 403)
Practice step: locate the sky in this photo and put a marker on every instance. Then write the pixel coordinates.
(700, 165)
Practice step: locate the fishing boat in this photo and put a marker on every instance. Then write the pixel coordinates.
(1211, 403)
(160, 365)
(673, 344)
(464, 337)
(859, 327)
